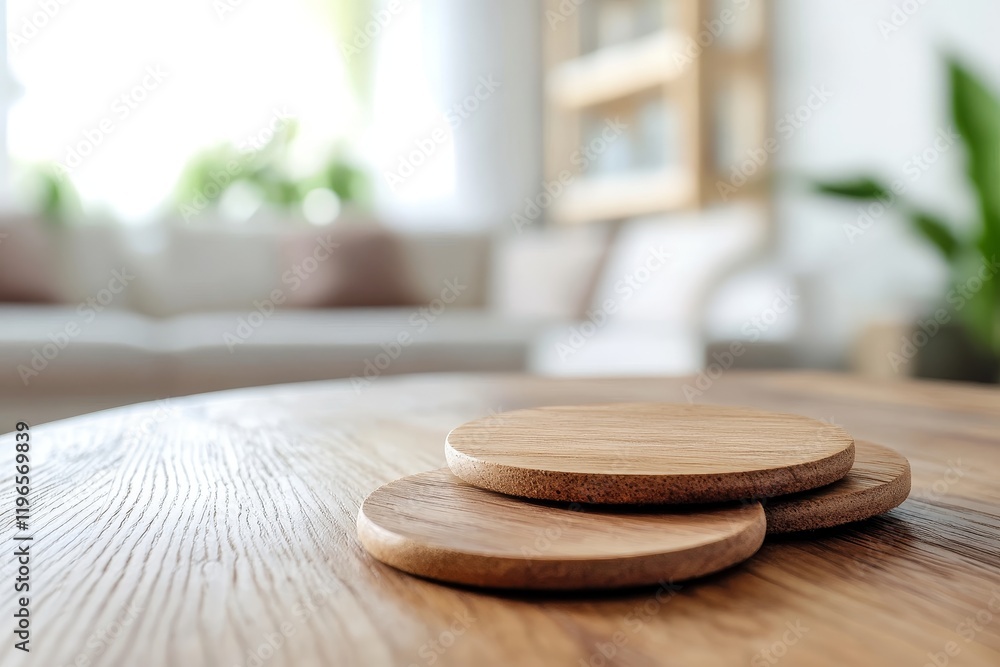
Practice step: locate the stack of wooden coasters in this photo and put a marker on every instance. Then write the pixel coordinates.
(625, 494)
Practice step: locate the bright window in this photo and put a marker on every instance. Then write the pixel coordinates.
(124, 93)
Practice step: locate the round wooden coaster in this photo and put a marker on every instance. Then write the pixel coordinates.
(879, 481)
(648, 453)
(435, 525)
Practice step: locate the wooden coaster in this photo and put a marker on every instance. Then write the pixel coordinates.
(434, 525)
(879, 481)
(648, 453)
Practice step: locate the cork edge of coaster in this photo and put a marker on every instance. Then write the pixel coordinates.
(797, 515)
(649, 489)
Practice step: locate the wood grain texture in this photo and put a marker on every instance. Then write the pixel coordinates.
(435, 525)
(879, 481)
(228, 518)
(648, 453)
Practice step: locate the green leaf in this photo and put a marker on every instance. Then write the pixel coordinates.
(57, 200)
(976, 111)
(937, 232)
(860, 188)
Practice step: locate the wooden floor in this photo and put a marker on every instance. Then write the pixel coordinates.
(221, 532)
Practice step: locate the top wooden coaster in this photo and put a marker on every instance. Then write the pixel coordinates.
(435, 525)
(648, 453)
(879, 481)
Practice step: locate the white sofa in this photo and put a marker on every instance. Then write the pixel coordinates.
(193, 317)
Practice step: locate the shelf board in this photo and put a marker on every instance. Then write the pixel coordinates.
(618, 71)
(598, 198)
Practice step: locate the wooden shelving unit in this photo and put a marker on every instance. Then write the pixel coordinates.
(688, 79)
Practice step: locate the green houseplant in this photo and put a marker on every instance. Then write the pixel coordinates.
(972, 250)
(265, 170)
(49, 194)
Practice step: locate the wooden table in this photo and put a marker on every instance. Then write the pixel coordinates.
(218, 530)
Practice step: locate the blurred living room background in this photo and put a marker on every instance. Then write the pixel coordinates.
(207, 194)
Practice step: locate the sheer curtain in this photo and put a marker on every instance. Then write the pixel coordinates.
(458, 112)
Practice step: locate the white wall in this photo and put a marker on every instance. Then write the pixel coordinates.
(493, 155)
(889, 99)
